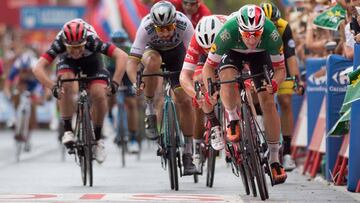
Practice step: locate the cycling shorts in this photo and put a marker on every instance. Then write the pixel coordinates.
(255, 60)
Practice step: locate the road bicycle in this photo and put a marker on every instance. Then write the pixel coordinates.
(171, 138)
(84, 132)
(22, 124)
(249, 156)
(207, 153)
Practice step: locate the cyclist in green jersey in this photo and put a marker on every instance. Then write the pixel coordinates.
(247, 42)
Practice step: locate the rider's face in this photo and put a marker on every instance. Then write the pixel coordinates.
(75, 52)
(190, 8)
(165, 32)
(251, 39)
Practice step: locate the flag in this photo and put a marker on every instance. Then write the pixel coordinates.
(331, 18)
(352, 94)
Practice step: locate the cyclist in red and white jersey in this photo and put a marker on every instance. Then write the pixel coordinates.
(163, 36)
(78, 47)
(196, 55)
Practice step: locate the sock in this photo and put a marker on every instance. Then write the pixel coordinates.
(132, 135)
(274, 152)
(287, 144)
(233, 115)
(197, 145)
(212, 118)
(97, 132)
(188, 144)
(67, 124)
(149, 102)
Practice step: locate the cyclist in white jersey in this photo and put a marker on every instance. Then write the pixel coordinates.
(163, 37)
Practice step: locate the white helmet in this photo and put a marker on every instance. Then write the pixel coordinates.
(251, 18)
(207, 29)
(163, 13)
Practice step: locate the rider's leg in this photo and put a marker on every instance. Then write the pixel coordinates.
(230, 98)
(272, 129)
(98, 111)
(132, 117)
(152, 63)
(186, 120)
(287, 126)
(99, 106)
(66, 106)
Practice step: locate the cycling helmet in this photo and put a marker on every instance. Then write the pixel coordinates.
(119, 35)
(74, 32)
(163, 13)
(250, 18)
(271, 11)
(207, 28)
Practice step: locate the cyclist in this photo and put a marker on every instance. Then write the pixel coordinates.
(286, 88)
(196, 54)
(163, 36)
(20, 79)
(121, 40)
(79, 47)
(249, 39)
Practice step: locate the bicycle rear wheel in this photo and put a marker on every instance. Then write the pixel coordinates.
(89, 137)
(244, 178)
(253, 150)
(210, 166)
(172, 147)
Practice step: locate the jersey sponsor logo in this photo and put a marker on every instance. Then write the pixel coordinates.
(213, 48)
(291, 43)
(274, 35)
(225, 35)
(189, 58)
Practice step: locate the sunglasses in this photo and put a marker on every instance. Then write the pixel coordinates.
(169, 28)
(70, 46)
(250, 34)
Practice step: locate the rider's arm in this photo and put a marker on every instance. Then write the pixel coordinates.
(189, 65)
(289, 52)
(186, 82)
(41, 73)
(137, 50)
(120, 60)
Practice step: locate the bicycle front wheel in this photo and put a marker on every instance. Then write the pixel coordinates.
(89, 137)
(210, 166)
(172, 149)
(253, 151)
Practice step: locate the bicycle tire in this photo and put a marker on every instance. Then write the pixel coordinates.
(89, 137)
(244, 178)
(196, 178)
(210, 167)
(253, 151)
(80, 146)
(172, 147)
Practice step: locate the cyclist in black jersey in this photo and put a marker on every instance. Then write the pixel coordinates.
(78, 47)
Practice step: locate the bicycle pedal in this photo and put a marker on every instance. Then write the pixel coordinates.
(71, 151)
(159, 152)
